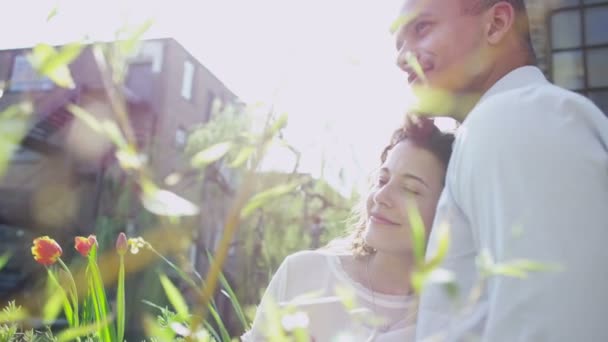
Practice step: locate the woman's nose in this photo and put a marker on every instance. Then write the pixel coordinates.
(382, 196)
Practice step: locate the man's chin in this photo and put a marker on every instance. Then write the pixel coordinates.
(437, 101)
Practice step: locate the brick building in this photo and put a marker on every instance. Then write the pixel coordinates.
(56, 183)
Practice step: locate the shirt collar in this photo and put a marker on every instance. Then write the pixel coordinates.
(517, 78)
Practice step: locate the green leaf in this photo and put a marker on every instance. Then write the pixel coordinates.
(100, 301)
(120, 301)
(443, 244)
(218, 320)
(52, 14)
(242, 156)
(264, 197)
(54, 64)
(13, 315)
(166, 203)
(86, 117)
(154, 329)
(418, 233)
(58, 299)
(14, 122)
(129, 159)
(413, 62)
(115, 134)
(403, 19)
(127, 46)
(521, 268)
(175, 298)
(63, 58)
(279, 124)
(437, 276)
(4, 259)
(232, 296)
(210, 154)
(83, 330)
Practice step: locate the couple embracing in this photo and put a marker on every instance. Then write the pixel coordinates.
(524, 178)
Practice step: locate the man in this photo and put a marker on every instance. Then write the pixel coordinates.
(528, 179)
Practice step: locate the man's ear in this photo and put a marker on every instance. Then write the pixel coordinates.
(500, 19)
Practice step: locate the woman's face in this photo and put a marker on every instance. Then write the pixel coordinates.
(410, 175)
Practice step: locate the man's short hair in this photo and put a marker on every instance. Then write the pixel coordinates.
(477, 6)
(522, 23)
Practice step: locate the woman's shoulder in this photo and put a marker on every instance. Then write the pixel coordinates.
(310, 259)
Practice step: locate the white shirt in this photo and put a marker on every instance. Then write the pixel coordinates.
(312, 280)
(528, 179)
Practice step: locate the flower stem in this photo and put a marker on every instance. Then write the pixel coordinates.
(179, 271)
(74, 292)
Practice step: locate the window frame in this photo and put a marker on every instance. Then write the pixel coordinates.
(584, 48)
(192, 75)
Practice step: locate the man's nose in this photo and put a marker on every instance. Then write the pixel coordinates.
(405, 57)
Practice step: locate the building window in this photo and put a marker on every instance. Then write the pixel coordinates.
(25, 78)
(579, 48)
(211, 97)
(181, 137)
(187, 80)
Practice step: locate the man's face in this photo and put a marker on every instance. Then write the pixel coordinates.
(446, 42)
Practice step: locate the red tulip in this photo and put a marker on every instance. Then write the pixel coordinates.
(122, 244)
(46, 251)
(84, 244)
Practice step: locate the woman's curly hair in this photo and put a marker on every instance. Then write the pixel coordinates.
(423, 133)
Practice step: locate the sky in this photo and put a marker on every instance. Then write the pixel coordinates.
(329, 64)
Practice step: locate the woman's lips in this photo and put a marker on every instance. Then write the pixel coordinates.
(382, 220)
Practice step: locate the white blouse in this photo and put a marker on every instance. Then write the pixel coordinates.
(316, 283)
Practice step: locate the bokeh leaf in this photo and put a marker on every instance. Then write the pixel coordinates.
(153, 328)
(441, 248)
(403, 19)
(418, 233)
(86, 117)
(174, 296)
(166, 203)
(243, 155)
(4, 259)
(264, 197)
(413, 62)
(72, 334)
(127, 46)
(12, 313)
(114, 133)
(14, 122)
(211, 154)
(55, 64)
(52, 14)
(279, 124)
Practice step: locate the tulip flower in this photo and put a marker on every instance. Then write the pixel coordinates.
(122, 244)
(46, 251)
(84, 244)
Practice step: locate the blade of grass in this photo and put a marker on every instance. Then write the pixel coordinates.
(175, 298)
(84, 330)
(99, 295)
(232, 296)
(67, 307)
(220, 324)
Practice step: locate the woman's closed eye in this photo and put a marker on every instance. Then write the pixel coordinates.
(381, 181)
(411, 190)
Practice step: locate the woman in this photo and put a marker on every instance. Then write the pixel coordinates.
(373, 264)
